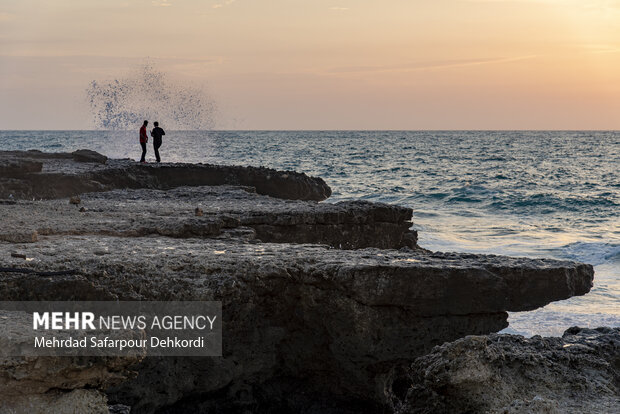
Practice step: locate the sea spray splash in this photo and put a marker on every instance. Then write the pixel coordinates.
(122, 104)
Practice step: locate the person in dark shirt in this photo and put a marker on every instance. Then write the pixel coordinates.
(143, 140)
(157, 133)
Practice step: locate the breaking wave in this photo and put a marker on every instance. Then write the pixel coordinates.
(593, 253)
(150, 94)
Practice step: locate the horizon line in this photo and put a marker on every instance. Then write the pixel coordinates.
(325, 130)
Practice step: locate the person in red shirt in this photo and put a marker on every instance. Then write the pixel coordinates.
(143, 140)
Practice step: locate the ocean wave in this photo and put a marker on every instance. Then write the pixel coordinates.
(473, 193)
(551, 202)
(150, 94)
(592, 252)
(546, 322)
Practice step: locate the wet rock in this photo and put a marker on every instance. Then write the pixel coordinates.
(578, 373)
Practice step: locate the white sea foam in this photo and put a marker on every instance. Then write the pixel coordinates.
(546, 322)
(593, 253)
(149, 94)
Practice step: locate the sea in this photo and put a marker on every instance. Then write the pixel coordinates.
(553, 194)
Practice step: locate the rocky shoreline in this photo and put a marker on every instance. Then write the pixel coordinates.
(577, 373)
(327, 307)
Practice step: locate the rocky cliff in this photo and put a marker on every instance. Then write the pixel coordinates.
(320, 301)
(577, 373)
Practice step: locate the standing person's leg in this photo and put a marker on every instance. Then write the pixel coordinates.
(143, 145)
(156, 145)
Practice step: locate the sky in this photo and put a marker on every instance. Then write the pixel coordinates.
(323, 64)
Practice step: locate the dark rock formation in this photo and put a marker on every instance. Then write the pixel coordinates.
(85, 155)
(334, 321)
(64, 175)
(63, 385)
(578, 373)
(18, 167)
(318, 305)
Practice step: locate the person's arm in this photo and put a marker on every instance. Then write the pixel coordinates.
(163, 132)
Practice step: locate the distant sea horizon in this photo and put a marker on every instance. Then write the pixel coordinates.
(531, 193)
(319, 130)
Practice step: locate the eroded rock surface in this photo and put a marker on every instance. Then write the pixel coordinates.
(172, 213)
(35, 174)
(38, 384)
(578, 373)
(333, 321)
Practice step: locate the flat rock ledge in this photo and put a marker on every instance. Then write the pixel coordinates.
(211, 212)
(510, 374)
(323, 304)
(36, 174)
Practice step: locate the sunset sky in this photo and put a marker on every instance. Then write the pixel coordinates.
(324, 64)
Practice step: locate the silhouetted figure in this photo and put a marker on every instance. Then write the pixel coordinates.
(157, 133)
(143, 140)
